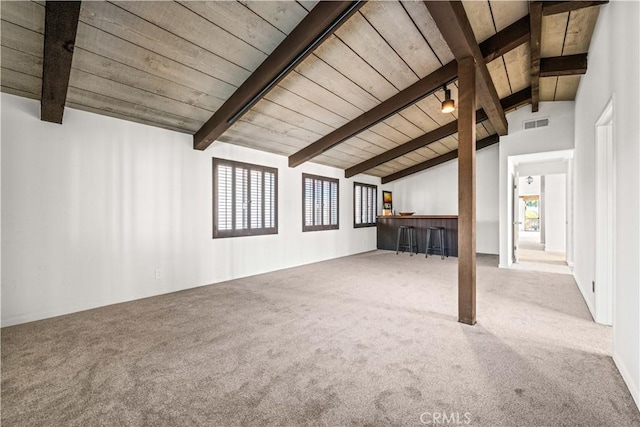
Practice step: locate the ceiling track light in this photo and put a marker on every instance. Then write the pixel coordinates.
(448, 105)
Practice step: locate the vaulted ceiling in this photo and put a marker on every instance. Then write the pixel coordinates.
(366, 99)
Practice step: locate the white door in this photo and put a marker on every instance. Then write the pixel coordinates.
(516, 216)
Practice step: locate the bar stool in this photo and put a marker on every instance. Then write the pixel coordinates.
(407, 239)
(440, 232)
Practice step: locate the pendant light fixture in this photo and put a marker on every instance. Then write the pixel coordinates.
(529, 179)
(448, 105)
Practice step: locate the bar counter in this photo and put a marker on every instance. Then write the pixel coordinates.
(387, 230)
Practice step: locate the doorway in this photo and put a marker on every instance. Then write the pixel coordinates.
(542, 222)
(542, 212)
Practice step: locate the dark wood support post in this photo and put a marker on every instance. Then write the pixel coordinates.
(467, 191)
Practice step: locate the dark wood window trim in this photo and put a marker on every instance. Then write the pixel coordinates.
(322, 211)
(365, 205)
(245, 199)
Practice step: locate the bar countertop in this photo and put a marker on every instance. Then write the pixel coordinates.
(387, 230)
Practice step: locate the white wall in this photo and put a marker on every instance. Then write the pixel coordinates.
(435, 192)
(614, 67)
(555, 213)
(527, 189)
(92, 208)
(557, 136)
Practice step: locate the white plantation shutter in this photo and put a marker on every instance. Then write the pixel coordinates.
(333, 200)
(269, 199)
(225, 193)
(365, 203)
(326, 207)
(317, 196)
(357, 207)
(256, 201)
(245, 199)
(308, 202)
(320, 203)
(242, 199)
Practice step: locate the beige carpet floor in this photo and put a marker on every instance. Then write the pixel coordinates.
(369, 340)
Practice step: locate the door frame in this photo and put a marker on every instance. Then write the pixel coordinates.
(515, 214)
(605, 217)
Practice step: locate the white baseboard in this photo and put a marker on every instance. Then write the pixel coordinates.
(90, 305)
(62, 311)
(633, 386)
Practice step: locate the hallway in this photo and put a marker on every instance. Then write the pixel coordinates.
(532, 256)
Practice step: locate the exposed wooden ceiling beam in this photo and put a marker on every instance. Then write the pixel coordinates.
(535, 20)
(555, 7)
(495, 46)
(422, 141)
(323, 20)
(506, 40)
(485, 142)
(399, 101)
(569, 65)
(60, 28)
(456, 30)
(512, 101)
(518, 99)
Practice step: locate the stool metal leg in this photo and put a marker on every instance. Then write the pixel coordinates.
(426, 244)
(398, 241)
(410, 232)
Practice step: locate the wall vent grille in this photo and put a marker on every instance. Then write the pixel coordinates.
(539, 123)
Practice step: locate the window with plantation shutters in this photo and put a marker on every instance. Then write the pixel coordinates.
(365, 205)
(245, 199)
(319, 203)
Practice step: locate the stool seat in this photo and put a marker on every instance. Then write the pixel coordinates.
(407, 239)
(440, 232)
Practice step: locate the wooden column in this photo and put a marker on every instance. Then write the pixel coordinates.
(467, 191)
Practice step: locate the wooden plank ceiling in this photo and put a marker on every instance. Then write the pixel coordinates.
(173, 64)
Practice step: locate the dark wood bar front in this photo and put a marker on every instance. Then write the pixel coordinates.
(387, 230)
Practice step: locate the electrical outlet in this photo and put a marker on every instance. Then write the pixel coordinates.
(158, 273)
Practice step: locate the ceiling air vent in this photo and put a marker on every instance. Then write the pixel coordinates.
(532, 124)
